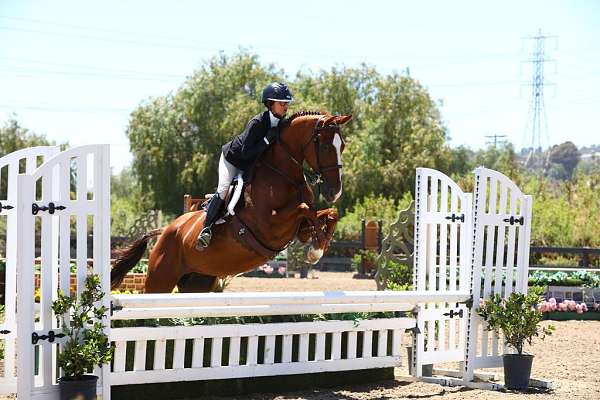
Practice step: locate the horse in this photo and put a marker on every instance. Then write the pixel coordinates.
(277, 205)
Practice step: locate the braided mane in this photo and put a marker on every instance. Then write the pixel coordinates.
(304, 113)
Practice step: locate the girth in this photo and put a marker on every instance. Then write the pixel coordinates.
(246, 237)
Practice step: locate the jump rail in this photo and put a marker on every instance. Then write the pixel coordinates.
(188, 305)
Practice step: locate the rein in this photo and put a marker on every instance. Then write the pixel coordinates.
(314, 178)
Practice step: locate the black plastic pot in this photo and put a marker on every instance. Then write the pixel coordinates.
(80, 388)
(517, 370)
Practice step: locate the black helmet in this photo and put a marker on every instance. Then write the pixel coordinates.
(276, 91)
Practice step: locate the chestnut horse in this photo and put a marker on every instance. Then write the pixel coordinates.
(276, 206)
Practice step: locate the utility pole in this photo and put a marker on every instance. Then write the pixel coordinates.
(495, 140)
(537, 120)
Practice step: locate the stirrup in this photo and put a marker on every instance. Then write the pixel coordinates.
(204, 239)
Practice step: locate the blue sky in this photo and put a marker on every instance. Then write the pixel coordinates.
(73, 70)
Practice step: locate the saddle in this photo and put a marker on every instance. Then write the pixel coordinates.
(231, 199)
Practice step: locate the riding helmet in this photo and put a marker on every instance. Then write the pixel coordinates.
(276, 91)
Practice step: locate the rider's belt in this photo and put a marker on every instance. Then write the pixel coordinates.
(246, 237)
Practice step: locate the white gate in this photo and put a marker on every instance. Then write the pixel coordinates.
(501, 236)
(11, 165)
(64, 199)
(442, 263)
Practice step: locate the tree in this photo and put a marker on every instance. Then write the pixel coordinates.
(14, 137)
(176, 139)
(400, 129)
(567, 156)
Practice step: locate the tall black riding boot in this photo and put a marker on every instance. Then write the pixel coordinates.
(212, 215)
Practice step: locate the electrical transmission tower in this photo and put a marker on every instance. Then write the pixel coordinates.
(537, 125)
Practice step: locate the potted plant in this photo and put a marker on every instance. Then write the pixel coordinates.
(518, 319)
(87, 344)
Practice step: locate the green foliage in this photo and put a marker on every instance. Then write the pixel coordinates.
(128, 202)
(517, 317)
(81, 320)
(363, 256)
(370, 208)
(400, 275)
(265, 319)
(14, 137)
(565, 213)
(561, 278)
(176, 140)
(566, 156)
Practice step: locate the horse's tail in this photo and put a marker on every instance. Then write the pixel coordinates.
(127, 257)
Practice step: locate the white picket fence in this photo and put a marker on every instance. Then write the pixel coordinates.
(460, 240)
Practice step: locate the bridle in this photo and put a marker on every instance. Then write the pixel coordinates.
(314, 178)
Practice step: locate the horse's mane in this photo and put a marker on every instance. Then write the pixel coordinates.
(304, 113)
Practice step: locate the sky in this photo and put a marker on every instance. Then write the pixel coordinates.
(74, 70)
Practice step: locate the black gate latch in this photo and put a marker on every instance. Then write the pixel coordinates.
(455, 217)
(51, 208)
(51, 336)
(514, 220)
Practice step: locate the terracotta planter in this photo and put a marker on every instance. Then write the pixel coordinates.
(80, 388)
(517, 370)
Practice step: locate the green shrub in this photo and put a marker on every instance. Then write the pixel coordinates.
(517, 317)
(87, 344)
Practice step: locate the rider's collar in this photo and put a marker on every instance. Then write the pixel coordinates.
(274, 119)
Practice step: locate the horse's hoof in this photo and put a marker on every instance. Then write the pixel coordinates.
(314, 255)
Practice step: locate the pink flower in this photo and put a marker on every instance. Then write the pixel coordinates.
(584, 307)
(542, 307)
(571, 305)
(579, 309)
(596, 306)
(562, 307)
(552, 300)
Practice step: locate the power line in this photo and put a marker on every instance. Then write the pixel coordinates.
(29, 73)
(91, 67)
(495, 140)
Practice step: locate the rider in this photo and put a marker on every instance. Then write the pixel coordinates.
(241, 153)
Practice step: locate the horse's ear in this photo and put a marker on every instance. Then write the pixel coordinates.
(342, 119)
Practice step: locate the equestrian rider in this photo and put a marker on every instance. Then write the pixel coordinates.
(241, 153)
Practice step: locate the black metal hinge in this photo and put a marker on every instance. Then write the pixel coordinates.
(515, 220)
(7, 207)
(50, 336)
(455, 217)
(114, 307)
(415, 330)
(51, 208)
(4, 332)
(453, 313)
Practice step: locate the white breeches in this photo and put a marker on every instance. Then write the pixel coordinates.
(227, 172)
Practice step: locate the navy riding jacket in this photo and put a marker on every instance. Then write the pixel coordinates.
(245, 148)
